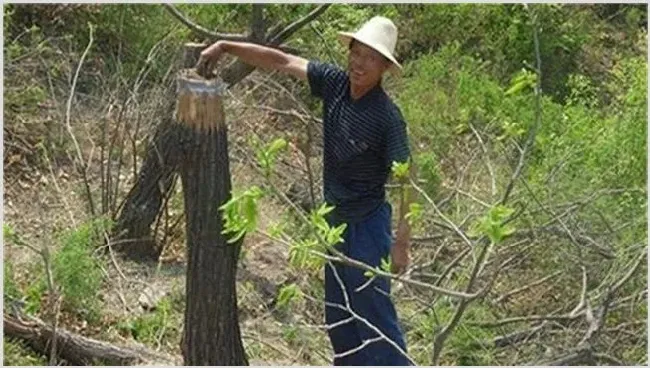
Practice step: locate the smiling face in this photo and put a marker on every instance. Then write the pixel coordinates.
(365, 65)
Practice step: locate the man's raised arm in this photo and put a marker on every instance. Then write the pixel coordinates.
(256, 55)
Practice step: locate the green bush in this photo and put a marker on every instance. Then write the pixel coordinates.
(163, 324)
(77, 270)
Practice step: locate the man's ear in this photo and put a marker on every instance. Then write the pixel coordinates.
(387, 64)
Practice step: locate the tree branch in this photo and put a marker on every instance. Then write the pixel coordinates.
(295, 26)
(201, 30)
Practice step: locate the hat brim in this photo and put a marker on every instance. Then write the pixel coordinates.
(347, 37)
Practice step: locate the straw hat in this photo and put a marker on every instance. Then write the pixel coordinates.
(379, 33)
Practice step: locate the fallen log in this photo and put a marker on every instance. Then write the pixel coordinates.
(77, 349)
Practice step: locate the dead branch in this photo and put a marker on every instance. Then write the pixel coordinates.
(77, 349)
(518, 336)
(532, 318)
(442, 336)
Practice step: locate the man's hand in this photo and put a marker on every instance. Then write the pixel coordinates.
(209, 57)
(401, 251)
(400, 257)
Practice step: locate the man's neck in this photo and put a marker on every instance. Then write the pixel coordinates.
(356, 92)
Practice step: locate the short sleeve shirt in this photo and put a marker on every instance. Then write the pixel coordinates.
(362, 138)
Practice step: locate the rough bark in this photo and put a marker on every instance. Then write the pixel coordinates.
(133, 234)
(142, 205)
(77, 349)
(211, 334)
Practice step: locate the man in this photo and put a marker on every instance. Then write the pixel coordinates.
(364, 133)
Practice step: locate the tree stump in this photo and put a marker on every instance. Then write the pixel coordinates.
(211, 335)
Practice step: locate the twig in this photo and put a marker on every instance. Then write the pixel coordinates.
(517, 336)
(350, 310)
(583, 296)
(632, 271)
(533, 318)
(67, 120)
(341, 258)
(359, 348)
(439, 213)
(487, 159)
(609, 359)
(526, 287)
(73, 221)
(442, 336)
(55, 324)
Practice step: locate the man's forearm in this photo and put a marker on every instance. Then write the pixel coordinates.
(255, 55)
(259, 56)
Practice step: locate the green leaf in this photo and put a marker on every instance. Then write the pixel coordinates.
(288, 294)
(523, 79)
(240, 213)
(276, 146)
(400, 170)
(386, 264)
(415, 213)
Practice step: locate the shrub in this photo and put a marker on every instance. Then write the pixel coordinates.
(77, 270)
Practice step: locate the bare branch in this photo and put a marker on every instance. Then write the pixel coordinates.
(439, 213)
(517, 336)
(69, 127)
(609, 359)
(442, 336)
(583, 296)
(295, 26)
(533, 318)
(201, 30)
(632, 271)
(487, 160)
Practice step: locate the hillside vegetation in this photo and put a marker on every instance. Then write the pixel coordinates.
(532, 191)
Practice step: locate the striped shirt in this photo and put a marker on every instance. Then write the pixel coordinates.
(362, 138)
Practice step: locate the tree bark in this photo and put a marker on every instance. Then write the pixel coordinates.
(142, 205)
(155, 179)
(77, 349)
(211, 335)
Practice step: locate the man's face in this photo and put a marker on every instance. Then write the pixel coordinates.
(365, 65)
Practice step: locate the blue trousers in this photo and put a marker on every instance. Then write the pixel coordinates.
(368, 241)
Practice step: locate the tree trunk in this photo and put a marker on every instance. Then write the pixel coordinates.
(157, 174)
(77, 349)
(142, 205)
(211, 333)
